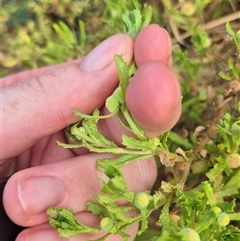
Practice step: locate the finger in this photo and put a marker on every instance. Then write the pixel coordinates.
(153, 98)
(19, 77)
(70, 184)
(153, 95)
(153, 43)
(43, 105)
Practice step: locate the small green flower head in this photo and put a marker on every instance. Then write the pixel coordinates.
(233, 160)
(221, 147)
(188, 8)
(141, 200)
(190, 234)
(235, 129)
(216, 210)
(223, 219)
(106, 224)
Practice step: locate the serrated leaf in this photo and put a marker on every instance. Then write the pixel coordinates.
(66, 223)
(121, 161)
(137, 16)
(80, 133)
(123, 73)
(208, 192)
(133, 21)
(114, 101)
(96, 209)
(148, 12)
(227, 207)
(215, 172)
(145, 146)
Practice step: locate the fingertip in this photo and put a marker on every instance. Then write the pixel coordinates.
(154, 99)
(152, 43)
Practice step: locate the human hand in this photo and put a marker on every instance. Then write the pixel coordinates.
(37, 109)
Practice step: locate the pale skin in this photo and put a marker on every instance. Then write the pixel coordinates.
(37, 106)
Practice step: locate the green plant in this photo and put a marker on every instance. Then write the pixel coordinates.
(198, 185)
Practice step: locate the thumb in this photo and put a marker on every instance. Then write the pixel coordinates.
(43, 105)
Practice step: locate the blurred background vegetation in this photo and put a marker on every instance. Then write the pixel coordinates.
(44, 32)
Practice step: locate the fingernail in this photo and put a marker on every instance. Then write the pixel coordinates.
(36, 194)
(103, 55)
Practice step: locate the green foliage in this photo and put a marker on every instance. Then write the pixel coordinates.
(201, 207)
(233, 72)
(36, 33)
(200, 185)
(105, 206)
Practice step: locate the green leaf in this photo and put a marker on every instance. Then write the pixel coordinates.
(148, 146)
(66, 223)
(215, 172)
(190, 201)
(65, 34)
(208, 192)
(177, 139)
(229, 29)
(116, 185)
(83, 35)
(148, 12)
(227, 207)
(121, 161)
(206, 219)
(123, 73)
(97, 209)
(133, 21)
(225, 76)
(114, 102)
(234, 180)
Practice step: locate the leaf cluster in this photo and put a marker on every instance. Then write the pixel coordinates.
(106, 206)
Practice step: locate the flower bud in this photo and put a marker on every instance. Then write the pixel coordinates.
(190, 234)
(106, 224)
(223, 219)
(216, 210)
(141, 200)
(188, 9)
(233, 160)
(206, 42)
(221, 147)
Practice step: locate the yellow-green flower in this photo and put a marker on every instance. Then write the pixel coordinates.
(216, 210)
(141, 200)
(106, 224)
(223, 219)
